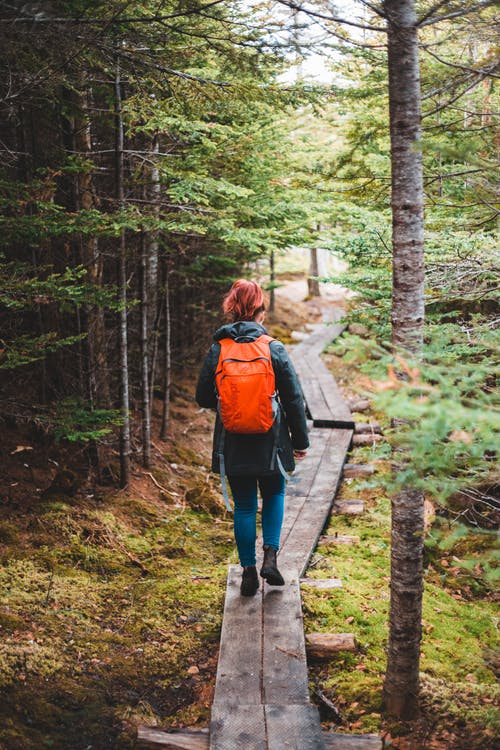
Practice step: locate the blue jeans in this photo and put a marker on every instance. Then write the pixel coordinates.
(244, 489)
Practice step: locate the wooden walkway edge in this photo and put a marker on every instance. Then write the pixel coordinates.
(261, 699)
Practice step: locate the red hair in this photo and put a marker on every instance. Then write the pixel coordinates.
(244, 300)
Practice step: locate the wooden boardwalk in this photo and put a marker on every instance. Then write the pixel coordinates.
(261, 699)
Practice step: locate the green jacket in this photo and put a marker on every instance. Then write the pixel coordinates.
(252, 454)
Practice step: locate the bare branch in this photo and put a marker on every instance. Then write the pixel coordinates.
(314, 14)
(446, 104)
(377, 11)
(489, 71)
(432, 11)
(455, 14)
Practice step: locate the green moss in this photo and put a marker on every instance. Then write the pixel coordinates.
(458, 639)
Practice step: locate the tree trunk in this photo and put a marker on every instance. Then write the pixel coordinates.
(146, 413)
(272, 277)
(98, 383)
(402, 677)
(312, 279)
(152, 269)
(167, 371)
(122, 292)
(407, 178)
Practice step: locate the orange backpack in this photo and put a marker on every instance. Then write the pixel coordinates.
(245, 384)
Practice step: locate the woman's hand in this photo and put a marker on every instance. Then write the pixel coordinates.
(299, 455)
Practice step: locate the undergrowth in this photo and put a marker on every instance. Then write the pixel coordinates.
(459, 658)
(111, 604)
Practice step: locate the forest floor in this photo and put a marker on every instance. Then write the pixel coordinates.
(111, 601)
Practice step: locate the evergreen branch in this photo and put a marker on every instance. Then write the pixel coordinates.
(39, 18)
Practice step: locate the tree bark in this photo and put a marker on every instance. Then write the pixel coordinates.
(407, 177)
(146, 411)
(122, 291)
(312, 279)
(401, 685)
(98, 383)
(167, 369)
(152, 270)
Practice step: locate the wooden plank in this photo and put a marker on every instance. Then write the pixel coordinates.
(284, 667)
(239, 677)
(325, 644)
(294, 728)
(358, 470)
(367, 439)
(339, 539)
(367, 427)
(186, 739)
(199, 740)
(238, 726)
(323, 397)
(348, 507)
(301, 539)
(322, 583)
(300, 484)
(340, 741)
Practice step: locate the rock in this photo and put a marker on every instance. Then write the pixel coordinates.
(360, 404)
(358, 329)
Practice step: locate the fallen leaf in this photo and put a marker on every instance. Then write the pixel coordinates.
(193, 670)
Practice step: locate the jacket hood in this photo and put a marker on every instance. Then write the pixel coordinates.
(243, 329)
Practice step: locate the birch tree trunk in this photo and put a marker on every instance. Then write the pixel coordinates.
(401, 685)
(146, 412)
(122, 291)
(312, 279)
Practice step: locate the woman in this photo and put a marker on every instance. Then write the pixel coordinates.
(254, 461)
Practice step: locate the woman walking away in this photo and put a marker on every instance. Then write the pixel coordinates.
(260, 426)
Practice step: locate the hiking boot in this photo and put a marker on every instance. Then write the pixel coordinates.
(249, 581)
(269, 570)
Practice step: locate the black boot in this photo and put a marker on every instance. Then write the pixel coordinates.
(249, 581)
(269, 570)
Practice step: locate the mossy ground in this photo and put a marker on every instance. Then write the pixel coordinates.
(459, 656)
(111, 602)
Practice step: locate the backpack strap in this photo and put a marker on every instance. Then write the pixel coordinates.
(222, 465)
(275, 457)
